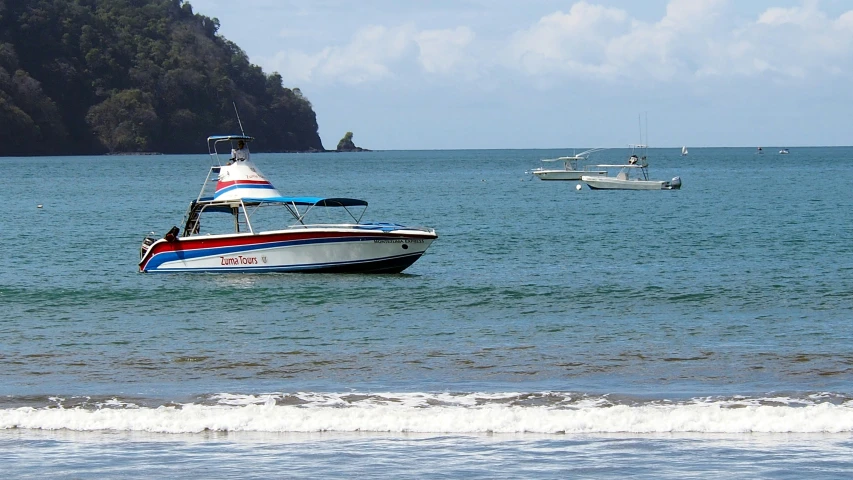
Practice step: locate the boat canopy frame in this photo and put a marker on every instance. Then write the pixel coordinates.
(249, 206)
(578, 156)
(643, 167)
(205, 202)
(293, 203)
(214, 140)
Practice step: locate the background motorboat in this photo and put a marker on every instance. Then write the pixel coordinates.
(573, 168)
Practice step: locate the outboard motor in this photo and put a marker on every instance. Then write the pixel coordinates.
(146, 244)
(675, 184)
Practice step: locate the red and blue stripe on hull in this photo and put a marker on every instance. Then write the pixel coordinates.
(253, 185)
(240, 246)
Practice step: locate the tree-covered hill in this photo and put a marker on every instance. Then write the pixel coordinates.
(96, 76)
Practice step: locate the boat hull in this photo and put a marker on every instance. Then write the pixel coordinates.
(319, 250)
(612, 183)
(565, 174)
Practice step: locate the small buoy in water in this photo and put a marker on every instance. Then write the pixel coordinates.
(578, 186)
(39, 205)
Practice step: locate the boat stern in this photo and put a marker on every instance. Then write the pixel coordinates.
(149, 245)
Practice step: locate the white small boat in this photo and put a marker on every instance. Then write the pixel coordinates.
(683, 151)
(572, 168)
(632, 176)
(784, 151)
(760, 151)
(234, 226)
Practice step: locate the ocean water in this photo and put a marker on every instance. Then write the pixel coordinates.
(549, 332)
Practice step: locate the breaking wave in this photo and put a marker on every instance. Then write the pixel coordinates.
(440, 413)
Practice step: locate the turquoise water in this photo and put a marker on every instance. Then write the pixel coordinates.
(548, 331)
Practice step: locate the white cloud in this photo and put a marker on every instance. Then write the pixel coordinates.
(443, 50)
(693, 40)
(845, 22)
(294, 66)
(692, 15)
(607, 44)
(373, 52)
(808, 14)
(790, 44)
(571, 43)
(367, 57)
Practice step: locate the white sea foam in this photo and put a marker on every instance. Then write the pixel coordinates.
(446, 414)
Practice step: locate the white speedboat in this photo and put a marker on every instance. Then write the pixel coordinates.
(784, 151)
(632, 176)
(572, 168)
(233, 226)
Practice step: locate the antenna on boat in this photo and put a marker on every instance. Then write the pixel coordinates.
(238, 119)
(640, 126)
(644, 141)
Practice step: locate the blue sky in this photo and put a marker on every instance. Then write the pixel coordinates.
(447, 74)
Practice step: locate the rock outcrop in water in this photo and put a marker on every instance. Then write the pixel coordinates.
(346, 145)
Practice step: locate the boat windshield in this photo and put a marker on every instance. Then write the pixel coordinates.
(258, 215)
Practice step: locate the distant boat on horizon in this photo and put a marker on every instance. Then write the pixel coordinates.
(760, 151)
(784, 151)
(683, 151)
